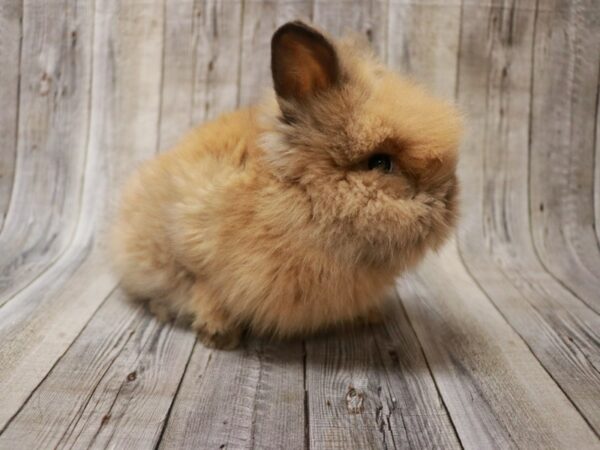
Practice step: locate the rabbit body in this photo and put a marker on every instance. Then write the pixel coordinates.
(296, 214)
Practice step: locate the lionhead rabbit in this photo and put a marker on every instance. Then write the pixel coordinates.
(299, 213)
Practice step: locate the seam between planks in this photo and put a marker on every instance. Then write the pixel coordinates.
(595, 162)
(17, 121)
(240, 53)
(175, 396)
(460, 250)
(83, 407)
(194, 59)
(9, 421)
(533, 241)
(499, 269)
(162, 80)
(534, 245)
(72, 240)
(306, 399)
(481, 288)
(435, 383)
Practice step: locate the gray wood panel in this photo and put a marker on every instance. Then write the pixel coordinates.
(128, 368)
(42, 321)
(53, 119)
(423, 42)
(497, 393)
(260, 20)
(248, 398)
(371, 387)
(495, 88)
(564, 100)
(597, 170)
(11, 13)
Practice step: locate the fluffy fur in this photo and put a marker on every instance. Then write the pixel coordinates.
(269, 218)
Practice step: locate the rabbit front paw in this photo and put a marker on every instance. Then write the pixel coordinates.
(217, 335)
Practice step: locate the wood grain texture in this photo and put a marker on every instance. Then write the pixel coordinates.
(371, 387)
(564, 100)
(261, 19)
(415, 396)
(248, 398)
(367, 20)
(11, 14)
(129, 368)
(495, 87)
(349, 400)
(53, 119)
(597, 168)
(496, 392)
(41, 321)
(429, 54)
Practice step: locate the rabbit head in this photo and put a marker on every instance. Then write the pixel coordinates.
(374, 152)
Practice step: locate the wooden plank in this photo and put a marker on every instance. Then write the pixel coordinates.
(497, 393)
(371, 387)
(251, 398)
(41, 321)
(423, 42)
(54, 98)
(597, 169)
(11, 13)
(367, 19)
(179, 55)
(200, 72)
(279, 413)
(247, 398)
(112, 388)
(414, 394)
(565, 91)
(35, 336)
(495, 237)
(261, 19)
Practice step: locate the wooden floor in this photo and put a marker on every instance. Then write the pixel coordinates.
(494, 342)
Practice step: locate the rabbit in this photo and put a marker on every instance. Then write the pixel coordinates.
(296, 214)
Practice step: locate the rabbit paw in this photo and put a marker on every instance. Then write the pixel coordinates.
(217, 335)
(160, 311)
(373, 317)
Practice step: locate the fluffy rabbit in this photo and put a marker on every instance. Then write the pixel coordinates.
(299, 213)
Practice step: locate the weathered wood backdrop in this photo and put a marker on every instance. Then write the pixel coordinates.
(494, 342)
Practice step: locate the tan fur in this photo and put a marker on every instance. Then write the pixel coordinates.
(267, 218)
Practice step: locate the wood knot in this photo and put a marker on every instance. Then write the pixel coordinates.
(105, 420)
(45, 84)
(354, 401)
(132, 376)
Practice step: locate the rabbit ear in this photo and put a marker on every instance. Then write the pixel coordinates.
(303, 62)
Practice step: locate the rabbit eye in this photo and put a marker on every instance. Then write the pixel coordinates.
(380, 162)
